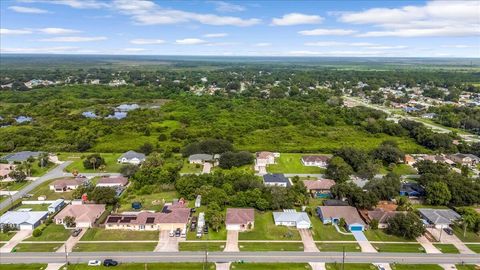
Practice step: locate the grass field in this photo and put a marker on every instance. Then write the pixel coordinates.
(39, 171)
(6, 236)
(381, 236)
(414, 248)
(416, 267)
(212, 235)
(201, 245)
(44, 190)
(154, 201)
(97, 234)
(447, 248)
(270, 246)
(323, 232)
(466, 267)
(77, 164)
(13, 185)
(270, 266)
(191, 168)
(404, 169)
(474, 248)
(469, 236)
(33, 266)
(149, 266)
(350, 266)
(338, 247)
(265, 229)
(40, 247)
(34, 207)
(291, 163)
(91, 247)
(52, 232)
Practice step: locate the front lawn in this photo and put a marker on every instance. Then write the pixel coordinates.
(91, 247)
(212, 235)
(270, 266)
(38, 171)
(350, 266)
(416, 266)
(44, 190)
(466, 267)
(34, 207)
(327, 232)
(381, 236)
(32, 266)
(270, 246)
(13, 185)
(191, 168)
(338, 247)
(414, 248)
(474, 248)
(52, 232)
(149, 266)
(6, 236)
(97, 234)
(470, 236)
(37, 247)
(265, 229)
(111, 164)
(291, 163)
(447, 248)
(201, 246)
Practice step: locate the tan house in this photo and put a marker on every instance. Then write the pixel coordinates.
(5, 169)
(316, 161)
(319, 188)
(85, 215)
(118, 181)
(66, 184)
(148, 221)
(240, 219)
(263, 159)
(381, 216)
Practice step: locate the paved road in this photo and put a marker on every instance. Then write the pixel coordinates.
(274, 256)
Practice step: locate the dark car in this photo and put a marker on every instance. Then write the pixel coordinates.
(193, 210)
(76, 232)
(193, 226)
(178, 232)
(110, 262)
(448, 231)
(205, 229)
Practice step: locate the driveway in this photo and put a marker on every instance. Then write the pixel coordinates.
(431, 249)
(308, 242)
(317, 266)
(232, 241)
(71, 242)
(167, 243)
(207, 167)
(17, 238)
(223, 266)
(450, 239)
(363, 242)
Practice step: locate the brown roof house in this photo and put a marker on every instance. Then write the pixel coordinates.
(118, 181)
(317, 161)
(240, 219)
(85, 215)
(333, 214)
(5, 169)
(264, 158)
(66, 184)
(148, 221)
(381, 216)
(319, 188)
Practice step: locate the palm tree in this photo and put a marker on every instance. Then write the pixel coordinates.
(26, 167)
(43, 159)
(93, 161)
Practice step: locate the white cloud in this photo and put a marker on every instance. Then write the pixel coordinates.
(141, 41)
(40, 50)
(58, 31)
(5, 31)
(135, 49)
(338, 53)
(190, 41)
(365, 45)
(262, 44)
(327, 32)
(80, 4)
(148, 13)
(28, 10)
(425, 32)
(222, 6)
(215, 35)
(459, 46)
(296, 19)
(73, 39)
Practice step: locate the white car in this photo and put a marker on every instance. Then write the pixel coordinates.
(94, 263)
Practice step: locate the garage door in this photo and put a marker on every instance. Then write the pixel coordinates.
(26, 227)
(356, 228)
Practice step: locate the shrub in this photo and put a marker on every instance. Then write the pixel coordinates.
(37, 232)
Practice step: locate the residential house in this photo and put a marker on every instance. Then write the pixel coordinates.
(200, 158)
(132, 157)
(317, 161)
(240, 219)
(67, 184)
(263, 159)
(148, 221)
(20, 156)
(5, 170)
(276, 179)
(23, 220)
(335, 203)
(56, 206)
(429, 115)
(409, 160)
(333, 214)
(381, 216)
(292, 218)
(319, 188)
(412, 190)
(85, 215)
(465, 159)
(439, 218)
(118, 181)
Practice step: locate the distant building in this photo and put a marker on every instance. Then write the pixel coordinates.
(465, 159)
(132, 157)
(5, 170)
(319, 188)
(429, 115)
(276, 179)
(317, 161)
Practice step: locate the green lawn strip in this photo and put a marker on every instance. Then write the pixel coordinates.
(149, 266)
(333, 247)
(323, 232)
(469, 236)
(32, 266)
(350, 266)
(475, 248)
(270, 246)
(34, 207)
(447, 248)
(466, 267)
(153, 201)
(191, 168)
(265, 229)
(414, 248)
(97, 234)
(212, 235)
(91, 247)
(201, 245)
(6, 236)
(270, 266)
(416, 267)
(52, 232)
(13, 185)
(37, 247)
(381, 236)
(404, 169)
(291, 163)
(111, 164)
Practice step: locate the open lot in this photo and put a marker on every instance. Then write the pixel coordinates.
(86, 247)
(201, 245)
(469, 236)
(77, 164)
(381, 236)
(98, 234)
(52, 232)
(270, 246)
(153, 201)
(414, 248)
(350, 266)
(33, 266)
(37, 247)
(338, 247)
(191, 168)
(270, 266)
(291, 163)
(447, 248)
(323, 232)
(149, 266)
(265, 229)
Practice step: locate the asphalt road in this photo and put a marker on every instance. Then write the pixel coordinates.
(299, 257)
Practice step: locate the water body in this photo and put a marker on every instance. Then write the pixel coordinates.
(117, 115)
(89, 114)
(127, 107)
(23, 119)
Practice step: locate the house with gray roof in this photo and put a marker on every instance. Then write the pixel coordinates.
(276, 179)
(23, 220)
(132, 157)
(20, 156)
(439, 218)
(200, 158)
(292, 218)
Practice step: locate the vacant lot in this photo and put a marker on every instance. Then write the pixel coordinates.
(265, 229)
(37, 247)
(154, 201)
(414, 248)
(270, 246)
(90, 247)
(382, 236)
(97, 234)
(291, 163)
(77, 164)
(52, 232)
(201, 245)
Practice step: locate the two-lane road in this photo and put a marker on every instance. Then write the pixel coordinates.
(291, 257)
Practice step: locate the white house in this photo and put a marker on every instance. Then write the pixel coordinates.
(240, 219)
(200, 158)
(131, 157)
(292, 218)
(23, 220)
(66, 184)
(263, 159)
(317, 161)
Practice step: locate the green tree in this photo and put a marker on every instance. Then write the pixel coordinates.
(437, 193)
(408, 226)
(338, 170)
(18, 175)
(214, 216)
(93, 161)
(69, 222)
(104, 195)
(128, 170)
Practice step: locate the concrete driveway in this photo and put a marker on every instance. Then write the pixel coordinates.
(167, 243)
(308, 242)
(431, 249)
(15, 240)
(232, 241)
(71, 242)
(450, 239)
(207, 167)
(363, 242)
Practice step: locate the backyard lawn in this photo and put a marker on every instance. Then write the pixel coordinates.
(474, 248)
(291, 163)
(44, 190)
(97, 234)
(201, 246)
(52, 232)
(77, 164)
(34, 207)
(338, 247)
(154, 201)
(149, 266)
(350, 266)
(380, 236)
(91, 247)
(270, 246)
(414, 248)
(37, 247)
(447, 248)
(469, 236)
(265, 229)
(270, 266)
(33, 266)
(191, 168)
(323, 232)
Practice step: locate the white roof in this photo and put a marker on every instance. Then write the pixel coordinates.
(18, 217)
(289, 216)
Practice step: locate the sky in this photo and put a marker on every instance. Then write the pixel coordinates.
(358, 28)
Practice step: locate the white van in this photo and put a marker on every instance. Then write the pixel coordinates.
(184, 233)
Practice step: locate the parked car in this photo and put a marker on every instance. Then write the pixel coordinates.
(172, 233)
(178, 232)
(205, 229)
(76, 232)
(110, 262)
(184, 234)
(193, 226)
(94, 263)
(448, 231)
(193, 210)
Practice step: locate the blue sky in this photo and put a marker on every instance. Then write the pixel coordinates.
(244, 28)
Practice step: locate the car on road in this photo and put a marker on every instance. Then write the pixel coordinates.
(76, 232)
(94, 263)
(448, 231)
(110, 262)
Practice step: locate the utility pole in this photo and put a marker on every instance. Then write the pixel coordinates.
(343, 259)
(66, 255)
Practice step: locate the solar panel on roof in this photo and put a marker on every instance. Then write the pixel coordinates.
(150, 220)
